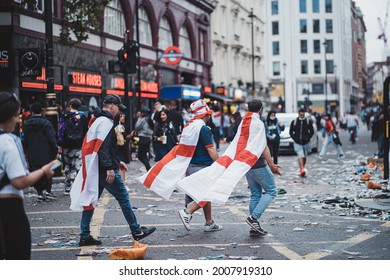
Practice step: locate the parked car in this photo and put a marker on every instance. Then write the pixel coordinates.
(286, 142)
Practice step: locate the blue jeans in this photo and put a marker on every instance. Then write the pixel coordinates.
(258, 180)
(355, 130)
(118, 190)
(327, 141)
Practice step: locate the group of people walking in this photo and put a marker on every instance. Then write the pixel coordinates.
(95, 155)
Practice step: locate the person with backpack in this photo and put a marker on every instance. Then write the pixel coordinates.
(301, 130)
(332, 136)
(73, 127)
(41, 148)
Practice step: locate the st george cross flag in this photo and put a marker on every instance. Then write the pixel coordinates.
(216, 182)
(164, 175)
(85, 189)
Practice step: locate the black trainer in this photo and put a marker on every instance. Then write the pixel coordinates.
(255, 225)
(255, 233)
(142, 232)
(89, 240)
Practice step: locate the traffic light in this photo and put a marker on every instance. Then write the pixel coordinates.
(131, 56)
(127, 59)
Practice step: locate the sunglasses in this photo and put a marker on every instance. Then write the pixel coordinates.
(12, 96)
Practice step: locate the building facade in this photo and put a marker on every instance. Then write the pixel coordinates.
(237, 53)
(309, 54)
(359, 65)
(82, 70)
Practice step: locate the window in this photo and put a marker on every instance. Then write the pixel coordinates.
(304, 68)
(275, 7)
(202, 45)
(316, 6)
(114, 21)
(276, 68)
(328, 6)
(329, 26)
(302, 6)
(316, 46)
(329, 46)
(275, 28)
(329, 66)
(275, 48)
(184, 42)
(317, 88)
(145, 31)
(316, 26)
(303, 25)
(164, 34)
(317, 66)
(303, 46)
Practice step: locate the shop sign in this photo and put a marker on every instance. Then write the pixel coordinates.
(85, 79)
(6, 64)
(221, 91)
(30, 63)
(149, 87)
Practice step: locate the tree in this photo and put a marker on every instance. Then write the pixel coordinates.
(79, 16)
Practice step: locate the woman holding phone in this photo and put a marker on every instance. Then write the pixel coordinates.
(15, 235)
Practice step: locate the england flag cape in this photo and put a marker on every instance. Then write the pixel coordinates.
(85, 189)
(216, 182)
(164, 175)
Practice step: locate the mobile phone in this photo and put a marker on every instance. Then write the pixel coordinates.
(57, 164)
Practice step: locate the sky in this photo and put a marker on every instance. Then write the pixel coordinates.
(372, 9)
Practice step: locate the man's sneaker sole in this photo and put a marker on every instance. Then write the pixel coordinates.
(255, 233)
(139, 237)
(255, 228)
(185, 224)
(215, 228)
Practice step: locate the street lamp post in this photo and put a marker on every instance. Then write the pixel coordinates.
(325, 43)
(51, 106)
(252, 16)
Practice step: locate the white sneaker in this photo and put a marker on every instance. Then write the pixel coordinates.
(185, 218)
(212, 227)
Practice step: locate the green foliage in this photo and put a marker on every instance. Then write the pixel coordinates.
(79, 16)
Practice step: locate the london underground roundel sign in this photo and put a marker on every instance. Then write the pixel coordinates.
(172, 55)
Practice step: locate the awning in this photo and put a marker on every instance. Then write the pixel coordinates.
(218, 97)
(186, 92)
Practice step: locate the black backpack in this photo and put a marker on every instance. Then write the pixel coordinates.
(74, 130)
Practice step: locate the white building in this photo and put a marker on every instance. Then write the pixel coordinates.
(231, 35)
(296, 35)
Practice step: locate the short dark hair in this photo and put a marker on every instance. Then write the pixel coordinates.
(255, 105)
(75, 103)
(301, 110)
(36, 108)
(9, 106)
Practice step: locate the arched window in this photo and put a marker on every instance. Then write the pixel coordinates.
(114, 21)
(164, 34)
(145, 31)
(184, 42)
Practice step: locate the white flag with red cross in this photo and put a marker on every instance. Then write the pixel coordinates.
(85, 189)
(216, 182)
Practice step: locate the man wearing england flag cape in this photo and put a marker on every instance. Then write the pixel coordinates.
(247, 154)
(99, 171)
(194, 152)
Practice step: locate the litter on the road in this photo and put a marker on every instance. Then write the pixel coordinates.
(136, 253)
